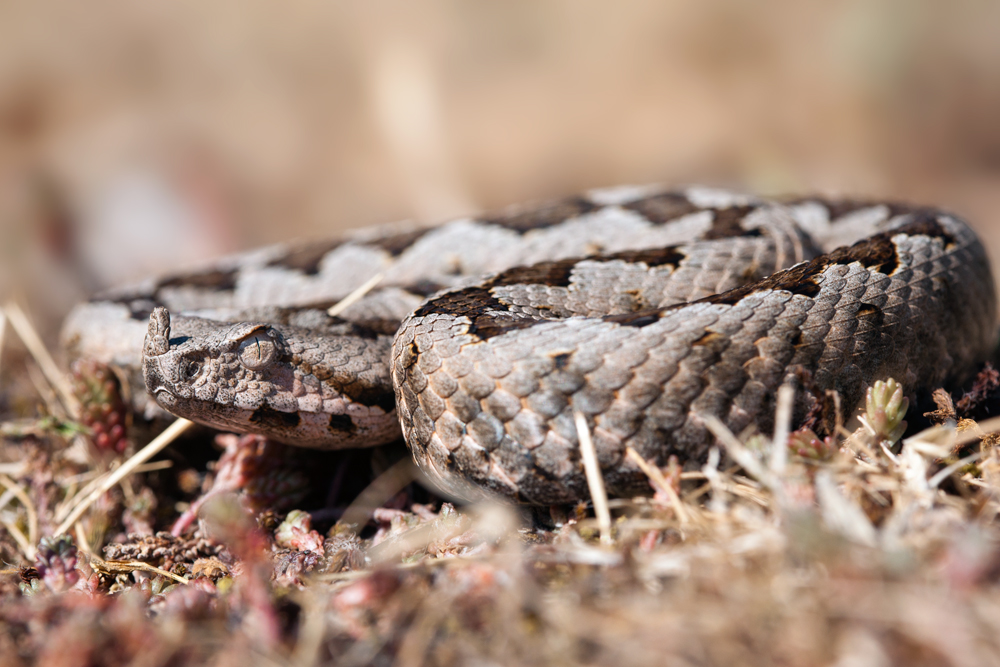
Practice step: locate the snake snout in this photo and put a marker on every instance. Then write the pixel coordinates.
(156, 345)
(158, 334)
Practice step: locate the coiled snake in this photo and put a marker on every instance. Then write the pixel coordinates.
(640, 308)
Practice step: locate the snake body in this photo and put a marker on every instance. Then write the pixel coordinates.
(641, 309)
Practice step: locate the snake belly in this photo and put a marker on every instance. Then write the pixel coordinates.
(641, 309)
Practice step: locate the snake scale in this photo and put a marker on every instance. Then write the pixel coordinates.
(641, 308)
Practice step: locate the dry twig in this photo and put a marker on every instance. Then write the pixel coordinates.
(29, 508)
(127, 468)
(355, 296)
(654, 474)
(37, 348)
(595, 482)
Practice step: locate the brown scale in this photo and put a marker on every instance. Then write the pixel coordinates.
(220, 281)
(397, 244)
(876, 252)
(727, 223)
(543, 216)
(663, 208)
(306, 257)
(267, 416)
(844, 207)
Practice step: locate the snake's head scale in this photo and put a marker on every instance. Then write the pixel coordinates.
(158, 335)
(284, 382)
(210, 366)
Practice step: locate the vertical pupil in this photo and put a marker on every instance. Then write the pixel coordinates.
(255, 351)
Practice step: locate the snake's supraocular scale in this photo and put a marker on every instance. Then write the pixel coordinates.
(641, 309)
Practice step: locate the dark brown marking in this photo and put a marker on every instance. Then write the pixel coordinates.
(837, 209)
(489, 316)
(321, 373)
(637, 319)
(797, 280)
(470, 301)
(845, 207)
(798, 339)
(306, 257)
(341, 424)
(842, 208)
(359, 391)
(663, 208)
(639, 302)
(522, 221)
(425, 288)
(651, 257)
(558, 273)
(543, 478)
(219, 281)
(268, 416)
(411, 358)
(371, 396)
(374, 328)
(877, 253)
(484, 311)
(552, 274)
(925, 222)
(868, 310)
(561, 360)
(488, 326)
(872, 317)
(397, 244)
(708, 338)
(726, 223)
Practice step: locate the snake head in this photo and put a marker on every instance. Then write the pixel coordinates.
(288, 383)
(208, 363)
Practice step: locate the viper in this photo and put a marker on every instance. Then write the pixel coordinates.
(642, 309)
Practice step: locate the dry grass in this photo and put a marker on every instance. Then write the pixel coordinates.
(852, 551)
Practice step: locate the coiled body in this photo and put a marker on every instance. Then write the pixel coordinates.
(642, 310)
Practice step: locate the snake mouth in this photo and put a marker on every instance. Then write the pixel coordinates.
(157, 388)
(157, 380)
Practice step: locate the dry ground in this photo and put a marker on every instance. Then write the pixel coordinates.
(854, 549)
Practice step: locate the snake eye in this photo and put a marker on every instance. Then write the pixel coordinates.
(190, 369)
(256, 351)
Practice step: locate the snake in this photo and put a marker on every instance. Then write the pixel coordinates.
(641, 310)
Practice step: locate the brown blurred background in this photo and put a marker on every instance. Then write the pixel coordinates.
(142, 136)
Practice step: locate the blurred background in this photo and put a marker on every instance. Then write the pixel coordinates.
(138, 137)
